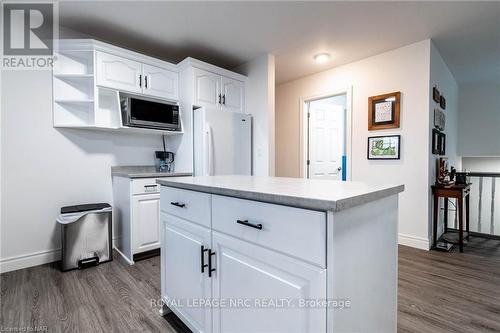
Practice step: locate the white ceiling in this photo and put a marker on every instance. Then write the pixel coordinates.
(230, 33)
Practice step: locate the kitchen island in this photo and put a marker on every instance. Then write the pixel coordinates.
(270, 254)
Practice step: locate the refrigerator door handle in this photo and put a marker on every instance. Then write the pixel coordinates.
(209, 157)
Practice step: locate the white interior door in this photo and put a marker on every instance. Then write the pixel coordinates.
(326, 132)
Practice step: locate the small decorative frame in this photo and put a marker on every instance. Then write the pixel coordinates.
(386, 147)
(435, 141)
(442, 102)
(436, 95)
(442, 144)
(384, 111)
(439, 119)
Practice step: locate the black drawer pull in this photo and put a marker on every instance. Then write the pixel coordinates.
(248, 224)
(210, 269)
(181, 205)
(203, 265)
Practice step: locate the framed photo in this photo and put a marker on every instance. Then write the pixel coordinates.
(439, 119)
(383, 111)
(435, 142)
(384, 147)
(442, 102)
(442, 144)
(436, 95)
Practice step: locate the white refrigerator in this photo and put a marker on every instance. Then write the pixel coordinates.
(222, 142)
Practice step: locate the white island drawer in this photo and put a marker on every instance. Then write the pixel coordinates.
(145, 186)
(190, 205)
(297, 232)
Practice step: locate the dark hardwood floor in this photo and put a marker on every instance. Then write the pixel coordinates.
(438, 292)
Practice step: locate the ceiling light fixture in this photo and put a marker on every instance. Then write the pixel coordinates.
(321, 58)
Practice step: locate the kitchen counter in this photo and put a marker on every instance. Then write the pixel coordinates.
(143, 172)
(270, 238)
(297, 192)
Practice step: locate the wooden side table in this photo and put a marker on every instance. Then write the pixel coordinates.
(461, 193)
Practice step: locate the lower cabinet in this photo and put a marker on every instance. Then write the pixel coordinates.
(269, 287)
(146, 215)
(245, 286)
(184, 280)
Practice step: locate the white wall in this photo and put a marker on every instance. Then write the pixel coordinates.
(442, 78)
(405, 69)
(43, 168)
(259, 101)
(481, 164)
(479, 119)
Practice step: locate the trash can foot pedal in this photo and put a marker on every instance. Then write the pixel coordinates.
(84, 263)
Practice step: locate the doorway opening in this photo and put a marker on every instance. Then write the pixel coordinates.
(327, 134)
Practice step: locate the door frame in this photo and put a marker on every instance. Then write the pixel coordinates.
(304, 128)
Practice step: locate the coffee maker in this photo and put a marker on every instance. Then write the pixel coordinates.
(164, 161)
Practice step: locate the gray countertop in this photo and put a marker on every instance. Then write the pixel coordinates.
(297, 192)
(143, 172)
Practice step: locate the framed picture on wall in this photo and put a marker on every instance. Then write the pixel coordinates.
(436, 95)
(384, 111)
(384, 147)
(435, 142)
(442, 102)
(442, 144)
(439, 119)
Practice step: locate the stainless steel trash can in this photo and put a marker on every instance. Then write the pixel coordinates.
(86, 232)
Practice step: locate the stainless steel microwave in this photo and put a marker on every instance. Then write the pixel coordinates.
(145, 112)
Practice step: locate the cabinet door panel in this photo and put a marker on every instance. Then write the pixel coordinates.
(207, 88)
(254, 274)
(233, 92)
(118, 73)
(182, 279)
(160, 82)
(146, 222)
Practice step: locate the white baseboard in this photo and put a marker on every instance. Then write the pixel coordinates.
(412, 241)
(29, 260)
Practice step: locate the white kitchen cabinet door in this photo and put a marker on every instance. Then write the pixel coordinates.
(182, 276)
(257, 275)
(207, 91)
(233, 95)
(146, 222)
(118, 73)
(159, 82)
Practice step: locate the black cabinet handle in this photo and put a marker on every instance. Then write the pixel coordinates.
(140, 81)
(220, 96)
(203, 265)
(210, 269)
(248, 224)
(224, 99)
(181, 205)
(146, 81)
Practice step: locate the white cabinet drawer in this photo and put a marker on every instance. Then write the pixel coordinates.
(190, 205)
(144, 186)
(297, 232)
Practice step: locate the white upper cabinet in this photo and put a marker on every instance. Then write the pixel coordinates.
(118, 73)
(207, 88)
(233, 93)
(218, 91)
(160, 82)
(128, 75)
